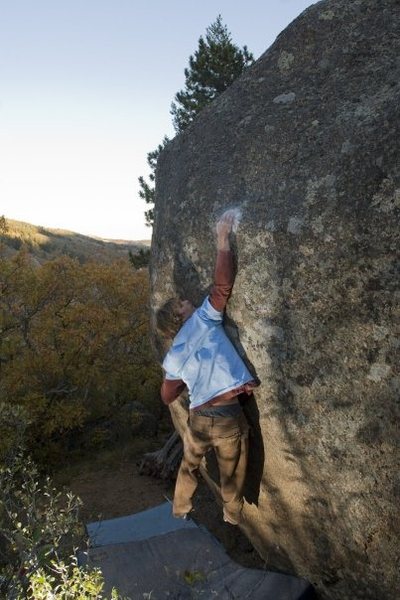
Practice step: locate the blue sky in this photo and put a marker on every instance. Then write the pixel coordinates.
(85, 93)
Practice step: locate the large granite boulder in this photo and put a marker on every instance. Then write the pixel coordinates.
(307, 144)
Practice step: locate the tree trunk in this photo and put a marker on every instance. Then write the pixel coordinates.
(163, 463)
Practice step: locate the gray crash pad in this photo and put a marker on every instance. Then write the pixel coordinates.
(182, 563)
(140, 526)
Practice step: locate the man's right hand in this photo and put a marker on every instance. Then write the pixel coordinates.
(224, 228)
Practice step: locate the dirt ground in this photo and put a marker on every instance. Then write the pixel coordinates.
(109, 485)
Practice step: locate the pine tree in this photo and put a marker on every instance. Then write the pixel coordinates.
(147, 190)
(214, 67)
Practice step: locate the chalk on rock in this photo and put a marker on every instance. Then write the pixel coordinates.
(236, 214)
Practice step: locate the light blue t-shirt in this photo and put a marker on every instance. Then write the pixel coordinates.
(204, 358)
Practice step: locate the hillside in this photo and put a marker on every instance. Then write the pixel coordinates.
(45, 244)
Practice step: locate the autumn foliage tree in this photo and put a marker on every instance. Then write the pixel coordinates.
(74, 343)
(73, 346)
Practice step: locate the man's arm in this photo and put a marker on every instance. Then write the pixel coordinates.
(223, 283)
(224, 275)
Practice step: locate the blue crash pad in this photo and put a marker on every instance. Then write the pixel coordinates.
(141, 526)
(153, 555)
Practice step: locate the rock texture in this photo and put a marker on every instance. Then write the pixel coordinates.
(307, 143)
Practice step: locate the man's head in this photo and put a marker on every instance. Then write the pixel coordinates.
(171, 316)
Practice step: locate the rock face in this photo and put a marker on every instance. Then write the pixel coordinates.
(307, 144)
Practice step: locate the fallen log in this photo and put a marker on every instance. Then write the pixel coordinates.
(163, 463)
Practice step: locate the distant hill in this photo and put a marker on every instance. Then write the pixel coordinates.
(45, 244)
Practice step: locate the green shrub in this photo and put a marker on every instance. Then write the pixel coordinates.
(68, 581)
(39, 536)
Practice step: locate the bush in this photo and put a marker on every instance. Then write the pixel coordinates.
(68, 581)
(39, 535)
(38, 525)
(74, 345)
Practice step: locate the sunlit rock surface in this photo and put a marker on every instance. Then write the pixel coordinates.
(306, 143)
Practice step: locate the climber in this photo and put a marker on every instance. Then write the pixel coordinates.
(203, 359)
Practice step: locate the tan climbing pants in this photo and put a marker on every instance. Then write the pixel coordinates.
(229, 438)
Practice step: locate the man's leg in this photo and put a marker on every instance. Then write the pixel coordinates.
(232, 453)
(194, 448)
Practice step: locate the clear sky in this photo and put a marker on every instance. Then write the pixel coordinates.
(85, 93)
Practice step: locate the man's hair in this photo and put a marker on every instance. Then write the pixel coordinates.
(167, 319)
